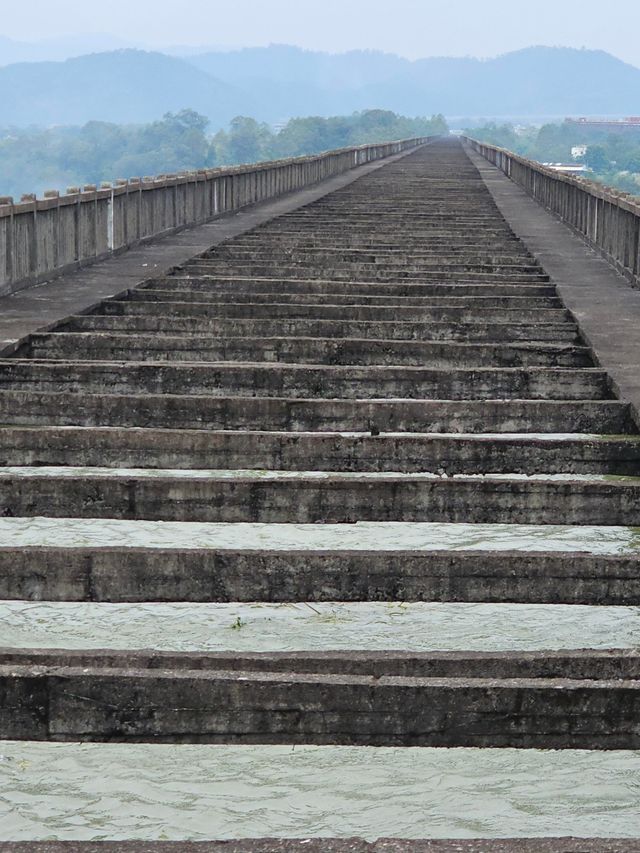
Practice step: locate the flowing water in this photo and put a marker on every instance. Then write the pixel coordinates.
(92, 791)
(393, 536)
(326, 626)
(111, 791)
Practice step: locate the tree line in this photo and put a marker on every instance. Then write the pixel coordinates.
(613, 157)
(33, 159)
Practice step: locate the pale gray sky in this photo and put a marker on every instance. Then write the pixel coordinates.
(412, 28)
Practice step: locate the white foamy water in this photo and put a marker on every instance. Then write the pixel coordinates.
(393, 536)
(154, 792)
(317, 626)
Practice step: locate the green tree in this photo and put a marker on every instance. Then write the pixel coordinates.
(35, 159)
(248, 140)
(597, 159)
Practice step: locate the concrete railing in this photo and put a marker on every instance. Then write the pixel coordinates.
(43, 238)
(609, 220)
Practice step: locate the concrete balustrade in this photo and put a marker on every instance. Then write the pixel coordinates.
(608, 219)
(42, 238)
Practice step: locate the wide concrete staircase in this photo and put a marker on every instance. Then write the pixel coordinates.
(390, 353)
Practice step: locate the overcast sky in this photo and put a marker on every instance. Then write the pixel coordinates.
(412, 28)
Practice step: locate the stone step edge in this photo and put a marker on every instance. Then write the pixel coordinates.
(84, 704)
(541, 438)
(118, 574)
(138, 448)
(307, 414)
(611, 665)
(322, 499)
(136, 340)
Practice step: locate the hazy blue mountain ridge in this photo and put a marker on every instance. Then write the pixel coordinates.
(279, 82)
(125, 86)
(57, 49)
(534, 81)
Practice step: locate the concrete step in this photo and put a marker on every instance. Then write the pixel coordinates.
(357, 246)
(556, 702)
(331, 845)
(225, 327)
(387, 221)
(310, 381)
(125, 347)
(184, 411)
(304, 451)
(583, 664)
(332, 256)
(372, 272)
(136, 574)
(278, 286)
(239, 296)
(428, 236)
(461, 314)
(309, 498)
(225, 445)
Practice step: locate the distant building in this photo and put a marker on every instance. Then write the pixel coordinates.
(579, 151)
(620, 125)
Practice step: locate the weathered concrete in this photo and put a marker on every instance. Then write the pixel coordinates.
(309, 499)
(208, 285)
(100, 347)
(220, 379)
(226, 327)
(312, 451)
(77, 291)
(186, 373)
(186, 411)
(43, 238)
(607, 219)
(155, 574)
(580, 710)
(580, 665)
(601, 300)
(461, 314)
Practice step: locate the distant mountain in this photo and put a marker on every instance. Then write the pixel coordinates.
(289, 81)
(57, 49)
(286, 64)
(535, 81)
(126, 86)
(280, 82)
